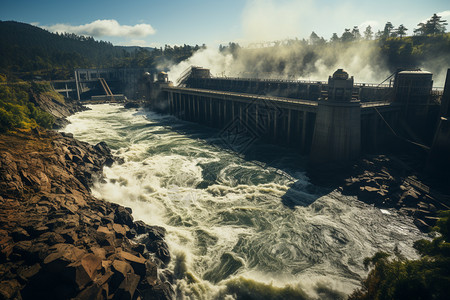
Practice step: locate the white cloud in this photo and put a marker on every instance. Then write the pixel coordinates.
(100, 28)
(444, 14)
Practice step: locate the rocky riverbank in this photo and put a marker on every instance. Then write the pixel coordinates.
(59, 109)
(387, 182)
(59, 242)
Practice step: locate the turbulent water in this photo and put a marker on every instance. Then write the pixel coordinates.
(238, 226)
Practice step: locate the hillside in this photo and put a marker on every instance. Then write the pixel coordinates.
(28, 49)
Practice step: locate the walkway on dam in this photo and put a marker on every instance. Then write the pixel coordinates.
(308, 105)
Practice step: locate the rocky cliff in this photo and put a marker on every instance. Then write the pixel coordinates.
(56, 240)
(59, 242)
(59, 109)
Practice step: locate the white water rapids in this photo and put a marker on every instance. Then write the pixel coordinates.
(236, 228)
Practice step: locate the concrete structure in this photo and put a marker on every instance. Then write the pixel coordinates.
(439, 158)
(337, 132)
(332, 121)
(281, 117)
(91, 82)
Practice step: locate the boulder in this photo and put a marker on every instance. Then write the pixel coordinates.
(103, 149)
(27, 272)
(157, 233)
(94, 291)
(10, 289)
(141, 227)
(127, 287)
(20, 234)
(121, 269)
(123, 216)
(81, 273)
(160, 249)
(137, 263)
(119, 230)
(62, 255)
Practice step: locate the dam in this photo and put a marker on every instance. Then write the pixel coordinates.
(333, 121)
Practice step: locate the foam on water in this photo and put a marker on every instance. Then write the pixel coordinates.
(229, 230)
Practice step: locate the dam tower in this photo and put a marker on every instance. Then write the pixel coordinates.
(337, 130)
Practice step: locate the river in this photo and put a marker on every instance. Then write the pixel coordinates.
(238, 225)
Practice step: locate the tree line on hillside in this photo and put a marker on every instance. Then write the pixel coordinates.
(389, 49)
(28, 51)
(433, 26)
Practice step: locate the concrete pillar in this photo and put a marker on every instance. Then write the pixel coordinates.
(175, 104)
(445, 101)
(240, 115)
(198, 108)
(288, 138)
(194, 108)
(224, 119)
(275, 129)
(184, 103)
(211, 112)
(232, 110)
(205, 113)
(438, 163)
(246, 116)
(269, 134)
(256, 117)
(337, 131)
(194, 113)
(219, 113)
(189, 108)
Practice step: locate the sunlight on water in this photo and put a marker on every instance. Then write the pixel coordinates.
(235, 227)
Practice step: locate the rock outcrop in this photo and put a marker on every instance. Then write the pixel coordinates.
(387, 183)
(60, 110)
(59, 242)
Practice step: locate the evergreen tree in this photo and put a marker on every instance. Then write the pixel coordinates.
(314, 38)
(355, 33)
(368, 33)
(387, 30)
(347, 36)
(401, 30)
(433, 26)
(334, 38)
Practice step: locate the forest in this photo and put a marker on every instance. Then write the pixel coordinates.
(29, 52)
(370, 56)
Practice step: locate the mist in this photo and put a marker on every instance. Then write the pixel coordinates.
(291, 60)
(303, 60)
(272, 50)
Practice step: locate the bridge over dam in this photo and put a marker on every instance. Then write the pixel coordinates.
(333, 121)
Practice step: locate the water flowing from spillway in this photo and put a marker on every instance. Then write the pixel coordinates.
(237, 227)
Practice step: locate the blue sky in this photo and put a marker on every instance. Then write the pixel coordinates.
(156, 23)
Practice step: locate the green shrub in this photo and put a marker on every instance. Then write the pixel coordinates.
(399, 278)
(16, 110)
